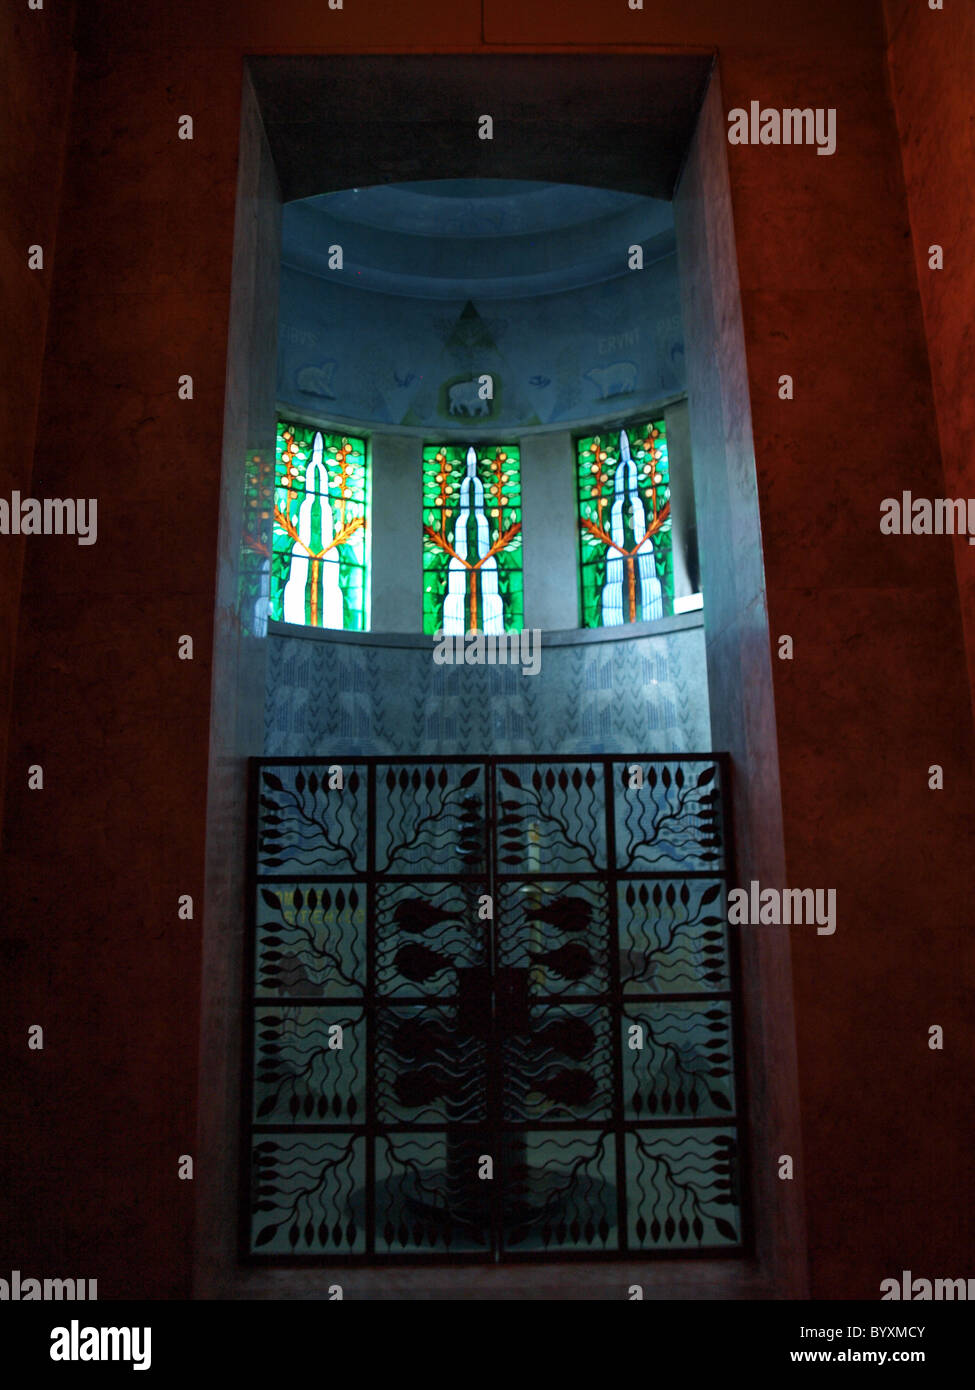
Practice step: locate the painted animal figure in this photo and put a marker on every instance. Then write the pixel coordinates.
(317, 381)
(617, 379)
(464, 399)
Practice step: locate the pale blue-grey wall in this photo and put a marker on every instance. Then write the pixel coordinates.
(595, 693)
(392, 360)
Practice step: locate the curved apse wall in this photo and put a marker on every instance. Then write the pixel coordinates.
(439, 283)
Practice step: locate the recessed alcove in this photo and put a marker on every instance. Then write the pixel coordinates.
(442, 279)
(349, 129)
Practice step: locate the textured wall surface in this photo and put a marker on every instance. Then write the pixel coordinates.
(740, 677)
(644, 694)
(932, 59)
(392, 359)
(876, 691)
(239, 661)
(140, 295)
(34, 118)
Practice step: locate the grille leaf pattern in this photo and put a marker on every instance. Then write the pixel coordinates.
(673, 820)
(492, 1010)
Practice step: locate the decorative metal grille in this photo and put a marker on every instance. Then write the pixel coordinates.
(492, 1009)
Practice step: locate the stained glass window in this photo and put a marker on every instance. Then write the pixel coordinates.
(472, 563)
(623, 482)
(319, 566)
(255, 545)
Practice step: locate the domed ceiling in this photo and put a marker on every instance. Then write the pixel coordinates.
(474, 238)
(442, 282)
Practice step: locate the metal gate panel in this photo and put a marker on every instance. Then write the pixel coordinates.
(491, 1012)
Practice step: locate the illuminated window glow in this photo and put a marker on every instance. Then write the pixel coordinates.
(623, 489)
(319, 567)
(472, 565)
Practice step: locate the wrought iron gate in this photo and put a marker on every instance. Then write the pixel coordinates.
(491, 1011)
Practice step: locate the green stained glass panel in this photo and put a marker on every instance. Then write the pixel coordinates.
(625, 543)
(319, 561)
(255, 559)
(472, 556)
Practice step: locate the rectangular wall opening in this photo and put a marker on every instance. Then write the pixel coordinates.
(653, 126)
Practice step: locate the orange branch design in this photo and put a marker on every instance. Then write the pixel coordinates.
(340, 538)
(446, 473)
(498, 545)
(601, 535)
